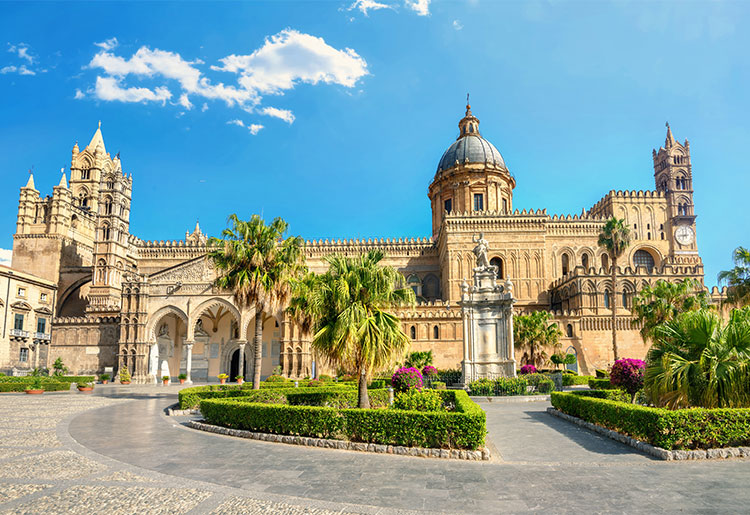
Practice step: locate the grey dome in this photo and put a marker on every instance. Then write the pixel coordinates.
(471, 148)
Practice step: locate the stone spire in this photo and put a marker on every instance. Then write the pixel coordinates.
(97, 141)
(30, 182)
(63, 179)
(670, 139)
(469, 124)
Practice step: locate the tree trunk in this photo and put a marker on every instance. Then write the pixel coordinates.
(613, 305)
(258, 349)
(364, 398)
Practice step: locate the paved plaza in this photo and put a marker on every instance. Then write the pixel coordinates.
(116, 452)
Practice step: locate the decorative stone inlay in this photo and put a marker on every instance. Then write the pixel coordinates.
(478, 455)
(657, 452)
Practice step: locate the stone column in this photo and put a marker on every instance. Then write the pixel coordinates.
(241, 366)
(189, 362)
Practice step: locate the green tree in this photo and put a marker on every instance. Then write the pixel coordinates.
(348, 307)
(533, 333)
(738, 278)
(614, 239)
(419, 359)
(257, 263)
(664, 301)
(697, 361)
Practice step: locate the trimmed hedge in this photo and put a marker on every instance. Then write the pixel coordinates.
(601, 384)
(610, 395)
(693, 428)
(335, 397)
(464, 428)
(189, 398)
(20, 386)
(570, 380)
(500, 386)
(56, 379)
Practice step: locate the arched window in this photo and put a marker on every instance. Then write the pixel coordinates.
(624, 299)
(415, 284)
(436, 333)
(565, 264)
(505, 205)
(569, 330)
(105, 232)
(606, 299)
(498, 262)
(585, 261)
(643, 258)
(85, 174)
(605, 262)
(413, 332)
(108, 206)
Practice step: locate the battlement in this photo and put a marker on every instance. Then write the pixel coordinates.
(85, 320)
(632, 195)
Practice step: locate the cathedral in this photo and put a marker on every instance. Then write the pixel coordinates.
(151, 306)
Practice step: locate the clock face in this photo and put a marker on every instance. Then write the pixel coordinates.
(684, 235)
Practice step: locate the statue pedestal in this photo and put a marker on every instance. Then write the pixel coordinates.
(487, 312)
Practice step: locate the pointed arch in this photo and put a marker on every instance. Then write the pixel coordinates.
(155, 318)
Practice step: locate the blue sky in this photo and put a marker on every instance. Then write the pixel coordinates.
(334, 114)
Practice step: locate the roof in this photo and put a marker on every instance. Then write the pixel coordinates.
(471, 148)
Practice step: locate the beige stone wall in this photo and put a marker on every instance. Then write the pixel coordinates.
(86, 344)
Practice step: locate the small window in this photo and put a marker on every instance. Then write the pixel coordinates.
(585, 261)
(413, 332)
(565, 264)
(84, 175)
(569, 330)
(23, 356)
(496, 261)
(505, 205)
(41, 325)
(448, 205)
(605, 262)
(18, 322)
(478, 202)
(606, 299)
(436, 333)
(21, 292)
(43, 297)
(624, 299)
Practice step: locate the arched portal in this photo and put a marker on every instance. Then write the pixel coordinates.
(234, 366)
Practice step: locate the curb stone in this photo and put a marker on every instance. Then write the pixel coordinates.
(422, 452)
(657, 452)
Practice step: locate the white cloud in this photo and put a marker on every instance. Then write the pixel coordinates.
(368, 5)
(107, 44)
(255, 128)
(204, 108)
(22, 50)
(21, 70)
(238, 123)
(5, 256)
(79, 94)
(421, 7)
(457, 25)
(109, 89)
(185, 102)
(284, 114)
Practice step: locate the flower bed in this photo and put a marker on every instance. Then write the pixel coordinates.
(694, 428)
(463, 428)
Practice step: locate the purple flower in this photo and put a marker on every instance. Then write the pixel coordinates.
(407, 378)
(429, 370)
(528, 369)
(628, 374)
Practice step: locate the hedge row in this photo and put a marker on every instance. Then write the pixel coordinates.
(570, 379)
(335, 397)
(189, 398)
(610, 395)
(694, 428)
(56, 379)
(20, 386)
(464, 428)
(601, 384)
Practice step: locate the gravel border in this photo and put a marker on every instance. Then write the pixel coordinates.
(657, 452)
(172, 411)
(422, 452)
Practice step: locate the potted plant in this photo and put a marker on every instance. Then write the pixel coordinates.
(124, 376)
(104, 378)
(165, 380)
(223, 378)
(35, 387)
(182, 378)
(85, 386)
(240, 379)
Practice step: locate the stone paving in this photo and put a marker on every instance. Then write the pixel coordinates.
(116, 452)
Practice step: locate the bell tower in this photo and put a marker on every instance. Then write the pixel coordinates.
(673, 175)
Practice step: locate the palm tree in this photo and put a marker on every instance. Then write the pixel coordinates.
(257, 263)
(664, 301)
(347, 305)
(533, 333)
(614, 238)
(695, 361)
(738, 278)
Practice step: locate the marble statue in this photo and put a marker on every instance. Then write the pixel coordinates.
(480, 251)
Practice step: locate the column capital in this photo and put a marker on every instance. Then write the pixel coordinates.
(242, 342)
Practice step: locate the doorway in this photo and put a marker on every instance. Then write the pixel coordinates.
(234, 366)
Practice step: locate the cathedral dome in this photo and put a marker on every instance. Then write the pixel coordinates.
(471, 147)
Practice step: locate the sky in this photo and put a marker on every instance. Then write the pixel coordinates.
(334, 114)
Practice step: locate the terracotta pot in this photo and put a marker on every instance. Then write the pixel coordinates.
(222, 381)
(85, 389)
(166, 382)
(105, 381)
(124, 382)
(240, 381)
(35, 392)
(182, 381)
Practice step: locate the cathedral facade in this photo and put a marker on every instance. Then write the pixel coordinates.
(151, 306)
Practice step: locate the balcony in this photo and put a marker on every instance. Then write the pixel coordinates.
(19, 333)
(42, 336)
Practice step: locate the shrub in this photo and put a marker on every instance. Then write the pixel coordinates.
(610, 395)
(165, 378)
(628, 374)
(571, 372)
(669, 429)
(418, 359)
(500, 386)
(438, 385)
(429, 371)
(449, 375)
(464, 428)
(348, 378)
(59, 367)
(414, 400)
(406, 378)
(189, 398)
(223, 376)
(104, 377)
(24, 383)
(528, 369)
(124, 375)
(325, 378)
(315, 383)
(276, 379)
(182, 376)
(545, 386)
(570, 380)
(601, 384)
(602, 374)
(333, 397)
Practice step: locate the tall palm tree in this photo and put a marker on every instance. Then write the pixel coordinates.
(695, 361)
(664, 301)
(738, 278)
(348, 306)
(257, 263)
(614, 238)
(533, 333)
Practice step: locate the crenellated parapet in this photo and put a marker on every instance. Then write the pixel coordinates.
(603, 208)
(391, 246)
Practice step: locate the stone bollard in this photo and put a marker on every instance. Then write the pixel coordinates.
(390, 396)
(296, 384)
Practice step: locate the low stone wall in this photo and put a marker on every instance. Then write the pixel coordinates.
(657, 452)
(483, 454)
